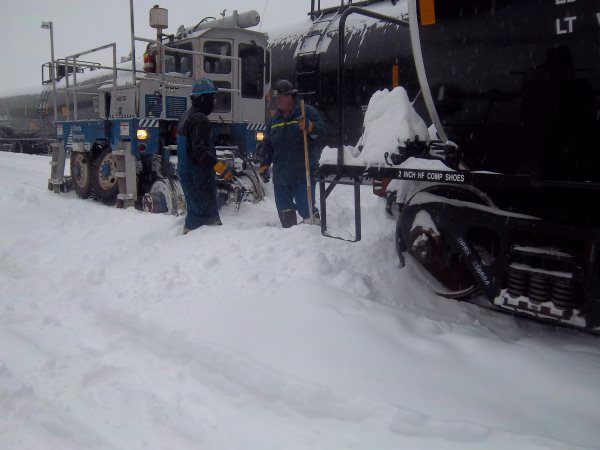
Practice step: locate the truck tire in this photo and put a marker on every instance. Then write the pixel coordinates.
(104, 180)
(81, 171)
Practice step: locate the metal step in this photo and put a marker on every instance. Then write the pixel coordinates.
(125, 197)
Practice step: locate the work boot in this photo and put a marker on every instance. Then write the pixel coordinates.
(314, 221)
(214, 222)
(288, 218)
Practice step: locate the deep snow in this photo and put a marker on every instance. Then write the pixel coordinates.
(118, 332)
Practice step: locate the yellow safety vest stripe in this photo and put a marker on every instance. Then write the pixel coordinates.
(284, 123)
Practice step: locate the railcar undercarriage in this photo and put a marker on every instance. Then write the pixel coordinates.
(510, 214)
(469, 247)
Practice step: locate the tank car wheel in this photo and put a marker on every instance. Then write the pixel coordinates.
(81, 172)
(425, 241)
(104, 178)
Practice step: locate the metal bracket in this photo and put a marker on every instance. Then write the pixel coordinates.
(126, 175)
(324, 192)
(56, 182)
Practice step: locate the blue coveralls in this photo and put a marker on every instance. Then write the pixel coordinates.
(196, 158)
(284, 148)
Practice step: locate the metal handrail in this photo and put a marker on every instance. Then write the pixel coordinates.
(86, 64)
(165, 83)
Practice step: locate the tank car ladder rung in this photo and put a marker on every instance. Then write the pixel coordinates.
(126, 175)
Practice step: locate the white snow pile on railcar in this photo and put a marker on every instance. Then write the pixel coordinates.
(390, 121)
(118, 332)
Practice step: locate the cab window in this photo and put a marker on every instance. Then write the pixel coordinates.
(253, 70)
(222, 99)
(268, 68)
(176, 62)
(217, 65)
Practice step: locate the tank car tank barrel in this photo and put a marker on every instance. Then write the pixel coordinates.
(341, 54)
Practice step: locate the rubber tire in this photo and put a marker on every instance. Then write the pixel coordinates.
(82, 184)
(105, 188)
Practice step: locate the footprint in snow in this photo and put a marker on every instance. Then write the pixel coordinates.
(212, 262)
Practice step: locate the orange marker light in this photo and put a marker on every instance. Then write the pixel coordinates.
(427, 9)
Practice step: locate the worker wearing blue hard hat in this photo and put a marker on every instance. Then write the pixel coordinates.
(197, 160)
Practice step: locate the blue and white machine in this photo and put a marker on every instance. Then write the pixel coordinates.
(120, 143)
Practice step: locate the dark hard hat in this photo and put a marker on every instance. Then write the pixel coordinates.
(284, 87)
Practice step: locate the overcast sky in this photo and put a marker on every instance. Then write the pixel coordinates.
(85, 24)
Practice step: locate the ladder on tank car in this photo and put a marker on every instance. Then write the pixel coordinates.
(307, 54)
(315, 10)
(42, 110)
(307, 59)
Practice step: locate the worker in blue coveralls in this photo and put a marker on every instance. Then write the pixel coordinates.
(284, 148)
(197, 160)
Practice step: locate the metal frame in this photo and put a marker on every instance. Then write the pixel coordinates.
(415, 40)
(324, 192)
(165, 83)
(355, 179)
(341, 55)
(320, 12)
(50, 26)
(71, 61)
(75, 87)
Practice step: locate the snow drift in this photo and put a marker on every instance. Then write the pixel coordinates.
(117, 332)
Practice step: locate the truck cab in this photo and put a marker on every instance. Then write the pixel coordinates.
(121, 148)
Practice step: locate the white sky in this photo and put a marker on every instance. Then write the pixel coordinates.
(85, 24)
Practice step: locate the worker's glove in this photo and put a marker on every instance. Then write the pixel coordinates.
(223, 170)
(305, 124)
(263, 171)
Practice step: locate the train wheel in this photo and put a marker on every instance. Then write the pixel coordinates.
(81, 171)
(253, 187)
(165, 196)
(426, 242)
(104, 177)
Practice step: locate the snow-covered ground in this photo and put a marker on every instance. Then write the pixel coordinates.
(118, 332)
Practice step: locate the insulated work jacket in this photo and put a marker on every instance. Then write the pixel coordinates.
(284, 145)
(193, 142)
(195, 160)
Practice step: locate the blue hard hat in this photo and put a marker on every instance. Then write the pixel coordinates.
(203, 86)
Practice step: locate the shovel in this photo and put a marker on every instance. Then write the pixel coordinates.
(311, 219)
